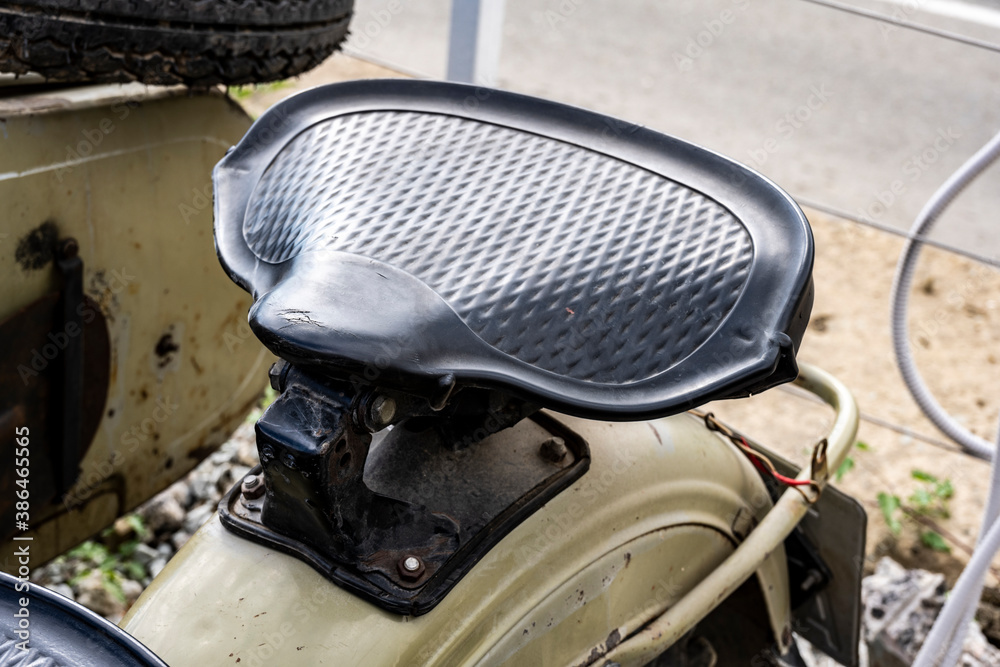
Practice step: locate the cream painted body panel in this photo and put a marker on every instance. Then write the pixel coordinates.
(126, 170)
(652, 518)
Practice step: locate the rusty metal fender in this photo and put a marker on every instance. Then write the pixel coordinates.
(125, 170)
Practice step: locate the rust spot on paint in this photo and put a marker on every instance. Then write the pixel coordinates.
(166, 348)
(36, 248)
(166, 345)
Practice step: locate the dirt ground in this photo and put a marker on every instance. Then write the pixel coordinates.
(955, 319)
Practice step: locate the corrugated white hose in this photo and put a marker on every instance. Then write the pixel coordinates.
(943, 646)
(901, 298)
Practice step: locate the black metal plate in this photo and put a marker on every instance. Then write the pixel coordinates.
(446, 234)
(835, 526)
(488, 488)
(30, 395)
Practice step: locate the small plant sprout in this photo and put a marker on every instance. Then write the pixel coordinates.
(113, 565)
(890, 505)
(927, 502)
(848, 463)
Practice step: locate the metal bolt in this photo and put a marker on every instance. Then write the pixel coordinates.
(410, 568)
(553, 450)
(813, 577)
(743, 523)
(277, 373)
(252, 487)
(68, 248)
(382, 411)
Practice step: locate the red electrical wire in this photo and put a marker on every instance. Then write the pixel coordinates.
(755, 458)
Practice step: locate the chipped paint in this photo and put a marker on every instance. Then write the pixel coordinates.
(146, 269)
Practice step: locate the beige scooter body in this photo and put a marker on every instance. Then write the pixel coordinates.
(663, 504)
(124, 171)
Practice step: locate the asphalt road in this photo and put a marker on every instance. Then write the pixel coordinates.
(855, 114)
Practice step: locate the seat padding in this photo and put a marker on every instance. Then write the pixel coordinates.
(588, 264)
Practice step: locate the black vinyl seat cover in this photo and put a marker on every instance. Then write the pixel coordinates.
(422, 235)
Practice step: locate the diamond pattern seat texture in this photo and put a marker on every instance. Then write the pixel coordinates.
(424, 235)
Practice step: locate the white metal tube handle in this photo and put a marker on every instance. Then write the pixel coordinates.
(674, 623)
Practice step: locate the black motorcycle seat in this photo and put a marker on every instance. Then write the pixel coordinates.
(426, 235)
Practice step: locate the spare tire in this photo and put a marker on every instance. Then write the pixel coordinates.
(194, 42)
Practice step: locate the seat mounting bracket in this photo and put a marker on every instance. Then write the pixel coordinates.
(399, 515)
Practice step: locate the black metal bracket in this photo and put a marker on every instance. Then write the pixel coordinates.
(68, 448)
(401, 516)
(56, 355)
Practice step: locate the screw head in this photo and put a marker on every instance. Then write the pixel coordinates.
(252, 487)
(383, 409)
(553, 450)
(410, 568)
(68, 248)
